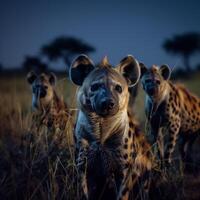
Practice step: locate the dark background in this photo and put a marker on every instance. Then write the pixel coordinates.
(114, 28)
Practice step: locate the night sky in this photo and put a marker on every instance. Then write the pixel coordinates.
(115, 28)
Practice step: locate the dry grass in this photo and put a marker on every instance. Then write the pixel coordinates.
(32, 168)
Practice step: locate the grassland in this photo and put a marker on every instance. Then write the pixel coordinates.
(29, 171)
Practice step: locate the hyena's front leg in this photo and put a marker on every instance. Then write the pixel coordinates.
(129, 175)
(156, 137)
(129, 179)
(157, 143)
(174, 128)
(160, 141)
(82, 167)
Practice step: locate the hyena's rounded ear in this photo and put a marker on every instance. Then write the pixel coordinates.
(130, 69)
(52, 78)
(31, 76)
(80, 68)
(143, 69)
(165, 71)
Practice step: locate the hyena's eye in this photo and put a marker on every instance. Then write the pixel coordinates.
(118, 88)
(94, 87)
(158, 82)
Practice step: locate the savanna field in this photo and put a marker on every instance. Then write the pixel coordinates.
(32, 168)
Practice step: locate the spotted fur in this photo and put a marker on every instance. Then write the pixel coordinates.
(137, 157)
(170, 107)
(112, 153)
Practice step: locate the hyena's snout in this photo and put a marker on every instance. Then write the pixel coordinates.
(40, 91)
(151, 85)
(105, 104)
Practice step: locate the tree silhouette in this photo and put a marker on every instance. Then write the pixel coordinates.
(1, 67)
(65, 48)
(185, 45)
(35, 64)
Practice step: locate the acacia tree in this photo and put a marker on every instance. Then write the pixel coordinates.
(65, 48)
(1, 67)
(185, 45)
(34, 63)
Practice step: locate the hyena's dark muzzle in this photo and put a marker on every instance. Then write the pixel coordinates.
(39, 91)
(151, 86)
(104, 103)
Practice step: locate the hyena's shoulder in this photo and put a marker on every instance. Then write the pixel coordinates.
(181, 97)
(188, 97)
(185, 106)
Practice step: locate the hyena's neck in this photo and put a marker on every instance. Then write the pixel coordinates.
(55, 106)
(101, 128)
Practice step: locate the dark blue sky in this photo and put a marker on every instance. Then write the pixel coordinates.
(116, 28)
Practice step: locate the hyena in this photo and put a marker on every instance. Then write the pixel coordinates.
(49, 110)
(112, 152)
(171, 107)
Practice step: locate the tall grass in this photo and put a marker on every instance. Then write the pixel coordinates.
(34, 167)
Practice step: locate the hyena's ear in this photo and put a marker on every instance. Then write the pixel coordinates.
(130, 69)
(143, 69)
(80, 69)
(31, 76)
(165, 71)
(52, 78)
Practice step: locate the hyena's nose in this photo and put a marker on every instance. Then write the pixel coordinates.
(42, 92)
(107, 104)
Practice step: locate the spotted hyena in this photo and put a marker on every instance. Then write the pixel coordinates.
(112, 152)
(49, 110)
(171, 107)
